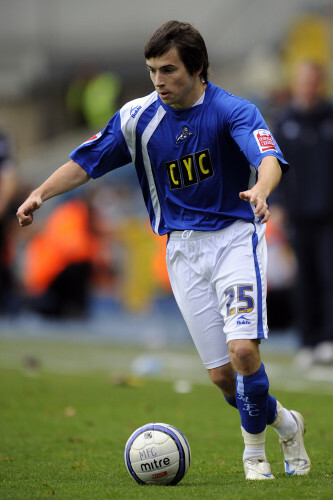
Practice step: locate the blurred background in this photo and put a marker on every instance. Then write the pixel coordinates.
(90, 263)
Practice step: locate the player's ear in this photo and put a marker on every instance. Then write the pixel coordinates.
(198, 71)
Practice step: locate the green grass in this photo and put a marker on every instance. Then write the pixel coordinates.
(62, 435)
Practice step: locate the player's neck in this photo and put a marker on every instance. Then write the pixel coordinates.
(201, 89)
(193, 97)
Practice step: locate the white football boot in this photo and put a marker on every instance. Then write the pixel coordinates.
(257, 469)
(296, 460)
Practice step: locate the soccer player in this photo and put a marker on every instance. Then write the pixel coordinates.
(206, 163)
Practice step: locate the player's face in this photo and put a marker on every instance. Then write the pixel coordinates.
(308, 85)
(175, 86)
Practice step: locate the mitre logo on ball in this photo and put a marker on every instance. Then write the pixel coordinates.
(157, 454)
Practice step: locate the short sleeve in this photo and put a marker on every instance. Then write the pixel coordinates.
(103, 152)
(250, 131)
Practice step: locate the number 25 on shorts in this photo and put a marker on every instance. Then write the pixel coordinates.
(237, 296)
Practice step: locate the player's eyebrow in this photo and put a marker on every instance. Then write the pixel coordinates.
(163, 68)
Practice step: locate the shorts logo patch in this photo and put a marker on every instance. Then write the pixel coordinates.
(264, 140)
(242, 320)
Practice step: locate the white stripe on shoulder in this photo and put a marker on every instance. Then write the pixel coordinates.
(150, 129)
(129, 117)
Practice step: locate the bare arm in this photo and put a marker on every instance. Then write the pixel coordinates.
(269, 175)
(67, 177)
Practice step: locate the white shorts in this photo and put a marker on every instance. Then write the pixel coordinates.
(219, 282)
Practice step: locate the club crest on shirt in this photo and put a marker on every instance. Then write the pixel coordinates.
(264, 140)
(183, 135)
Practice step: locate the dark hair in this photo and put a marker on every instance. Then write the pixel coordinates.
(190, 44)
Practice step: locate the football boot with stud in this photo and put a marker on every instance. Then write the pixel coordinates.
(257, 469)
(296, 460)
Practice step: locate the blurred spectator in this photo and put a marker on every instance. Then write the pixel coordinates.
(159, 267)
(57, 262)
(304, 131)
(281, 271)
(145, 275)
(8, 186)
(75, 93)
(92, 97)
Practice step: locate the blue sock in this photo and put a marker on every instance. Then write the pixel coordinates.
(271, 415)
(252, 400)
(231, 400)
(272, 412)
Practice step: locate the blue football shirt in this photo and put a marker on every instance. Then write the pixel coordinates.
(191, 163)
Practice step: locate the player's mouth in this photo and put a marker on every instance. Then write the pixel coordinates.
(164, 95)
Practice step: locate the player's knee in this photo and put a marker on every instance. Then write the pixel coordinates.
(244, 355)
(224, 378)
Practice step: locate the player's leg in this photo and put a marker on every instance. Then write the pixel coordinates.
(242, 298)
(252, 401)
(199, 307)
(191, 281)
(195, 282)
(240, 286)
(193, 292)
(225, 379)
(289, 425)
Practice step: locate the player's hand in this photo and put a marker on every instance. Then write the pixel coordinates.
(25, 211)
(261, 208)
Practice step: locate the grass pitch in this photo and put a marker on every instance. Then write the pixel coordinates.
(63, 430)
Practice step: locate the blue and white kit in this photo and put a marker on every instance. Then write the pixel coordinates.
(192, 164)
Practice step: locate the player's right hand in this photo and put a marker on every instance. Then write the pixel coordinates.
(25, 211)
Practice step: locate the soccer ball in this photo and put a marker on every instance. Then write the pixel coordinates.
(157, 454)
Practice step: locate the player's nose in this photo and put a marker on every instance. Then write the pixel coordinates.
(159, 82)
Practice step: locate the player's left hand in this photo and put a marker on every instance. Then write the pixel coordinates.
(25, 211)
(259, 200)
